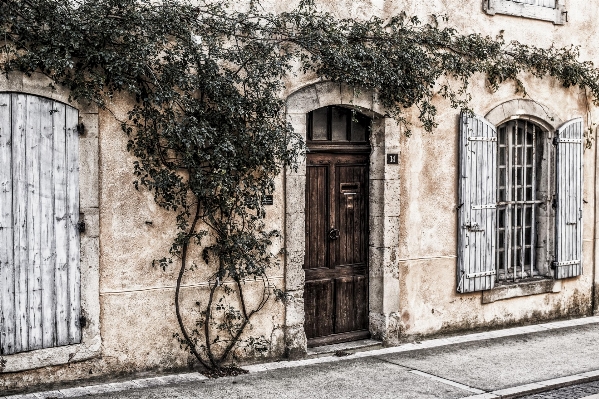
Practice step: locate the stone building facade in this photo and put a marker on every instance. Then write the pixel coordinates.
(414, 268)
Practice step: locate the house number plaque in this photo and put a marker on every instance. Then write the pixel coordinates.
(392, 159)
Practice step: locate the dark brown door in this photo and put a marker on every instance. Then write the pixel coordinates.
(336, 267)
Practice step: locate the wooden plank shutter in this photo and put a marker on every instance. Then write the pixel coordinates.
(39, 211)
(568, 219)
(7, 275)
(477, 217)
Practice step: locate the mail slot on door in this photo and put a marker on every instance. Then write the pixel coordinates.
(350, 192)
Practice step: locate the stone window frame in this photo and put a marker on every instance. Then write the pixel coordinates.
(384, 215)
(91, 342)
(557, 15)
(547, 119)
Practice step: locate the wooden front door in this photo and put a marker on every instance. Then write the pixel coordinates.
(336, 263)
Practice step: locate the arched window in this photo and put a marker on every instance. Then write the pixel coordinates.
(520, 202)
(524, 195)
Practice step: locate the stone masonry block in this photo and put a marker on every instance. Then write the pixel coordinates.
(296, 186)
(90, 121)
(294, 309)
(295, 342)
(356, 97)
(391, 229)
(302, 101)
(391, 200)
(88, 172)
(376, 196)
(377, 163)
(294, 271)
(12, 82)
(92, 221)
(328, 93)
(377, 231)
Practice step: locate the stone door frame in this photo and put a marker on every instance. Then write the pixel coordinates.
(384, 193)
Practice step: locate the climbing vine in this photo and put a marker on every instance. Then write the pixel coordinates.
(206, 121)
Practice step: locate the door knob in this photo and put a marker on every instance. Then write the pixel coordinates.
(334, 234)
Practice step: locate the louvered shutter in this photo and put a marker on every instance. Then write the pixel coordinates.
(477, 217)
(568, 219)
(39, 211)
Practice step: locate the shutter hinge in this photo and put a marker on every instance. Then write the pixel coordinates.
(475, 228)
(566, 263)
(555, 138)
(569, 141)
(81, 226)
(487, 206)
(481, 274)
(81, 129)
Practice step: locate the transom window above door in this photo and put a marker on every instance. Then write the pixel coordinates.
(337, 124)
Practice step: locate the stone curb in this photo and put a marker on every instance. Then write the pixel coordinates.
(433, 343)
(112, 387)
(513, 392)
(541, 386)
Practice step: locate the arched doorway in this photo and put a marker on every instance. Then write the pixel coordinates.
(336, 256)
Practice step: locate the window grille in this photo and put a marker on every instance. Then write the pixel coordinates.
(518, 166)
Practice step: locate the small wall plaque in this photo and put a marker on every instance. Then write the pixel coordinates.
(267, 200)
(392, 159)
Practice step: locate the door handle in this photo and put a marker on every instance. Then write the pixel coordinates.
(334, 234)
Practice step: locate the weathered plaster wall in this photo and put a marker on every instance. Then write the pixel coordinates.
(136, 300)
(426, 254)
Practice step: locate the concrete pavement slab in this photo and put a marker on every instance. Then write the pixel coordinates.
(351, 378)
(509, 361)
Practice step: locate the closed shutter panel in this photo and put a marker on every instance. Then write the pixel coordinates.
(540, 3)
(568, 219)
(39, 211)
(477, 217)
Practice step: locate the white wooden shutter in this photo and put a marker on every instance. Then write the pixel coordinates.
(568, 219)
(39, 212)
(477, 217)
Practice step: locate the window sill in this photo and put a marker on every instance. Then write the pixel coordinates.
(52, 356)
(525, 288)
(507, 7)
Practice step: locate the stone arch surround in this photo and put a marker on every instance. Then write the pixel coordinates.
(524, 109)
(384, 215)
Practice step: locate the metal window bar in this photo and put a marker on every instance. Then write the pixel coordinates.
(517, 201)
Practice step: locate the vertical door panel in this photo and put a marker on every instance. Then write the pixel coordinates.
(7, 272)
(61, 232)
(317, 184)
(34, 213)
(344, 304)
(319, 308)
(46, 222)
(352, 214)
(74, 280)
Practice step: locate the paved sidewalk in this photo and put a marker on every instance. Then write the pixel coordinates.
(507, 363)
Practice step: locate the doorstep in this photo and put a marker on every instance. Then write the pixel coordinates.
(344, 348)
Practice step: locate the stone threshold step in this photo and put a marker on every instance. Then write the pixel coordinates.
(344, 348)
